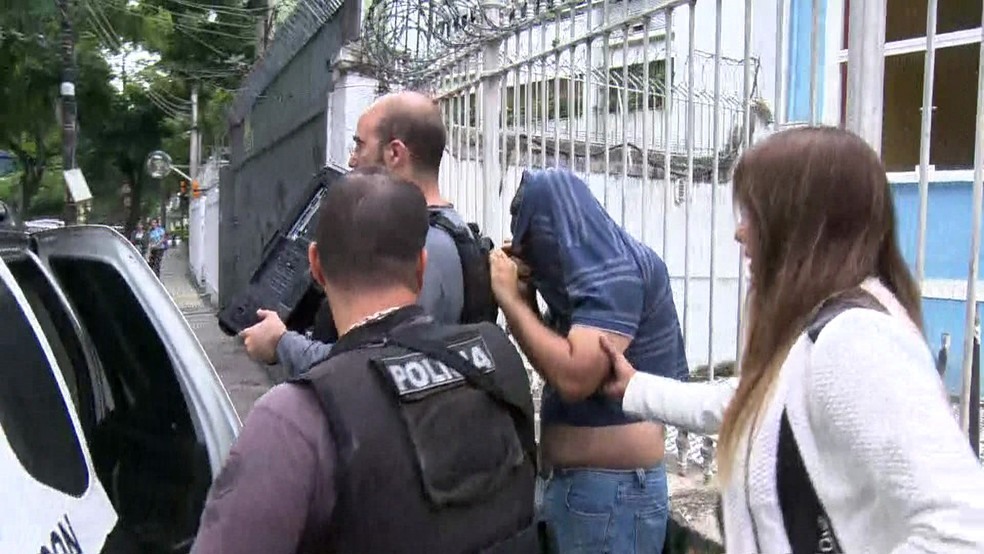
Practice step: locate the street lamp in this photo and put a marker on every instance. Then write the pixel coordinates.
(159, 165)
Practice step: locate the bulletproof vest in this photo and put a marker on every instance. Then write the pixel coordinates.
(433, 427)
(473, 251)
(324, 329)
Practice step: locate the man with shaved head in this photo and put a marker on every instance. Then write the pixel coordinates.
(404, 133)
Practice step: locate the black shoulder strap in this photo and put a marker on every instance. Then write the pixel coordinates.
(837, 304)
(473, 250)
(804, 518)
(407, 338)
(807, 525)
(441, 221)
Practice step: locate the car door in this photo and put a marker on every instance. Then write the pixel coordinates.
(131, 316)
(53, 500)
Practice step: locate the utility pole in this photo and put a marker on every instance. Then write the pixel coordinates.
(194, 157)
(264, 27)
(68, 104)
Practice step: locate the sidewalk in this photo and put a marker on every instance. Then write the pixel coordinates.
(245, 380)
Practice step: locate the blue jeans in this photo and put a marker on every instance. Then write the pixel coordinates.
(598, 511)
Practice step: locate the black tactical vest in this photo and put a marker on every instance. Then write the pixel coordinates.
(436, 450)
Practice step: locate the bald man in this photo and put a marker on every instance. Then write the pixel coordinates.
(403, 132)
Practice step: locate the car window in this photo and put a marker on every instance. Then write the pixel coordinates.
(83, 374)
(34, 417)
(130, 350)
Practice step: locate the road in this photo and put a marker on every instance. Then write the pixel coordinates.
(245, 380)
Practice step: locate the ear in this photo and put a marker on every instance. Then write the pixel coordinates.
(314, 259)
(395, 154)
(421, 268)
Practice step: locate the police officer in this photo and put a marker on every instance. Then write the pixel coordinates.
(411, 437)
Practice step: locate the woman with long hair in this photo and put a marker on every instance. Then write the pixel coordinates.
(837, 436)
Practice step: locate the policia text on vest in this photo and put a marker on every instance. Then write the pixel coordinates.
(415, 374)
(433, 427)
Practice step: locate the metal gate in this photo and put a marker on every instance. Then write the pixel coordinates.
(652, 101)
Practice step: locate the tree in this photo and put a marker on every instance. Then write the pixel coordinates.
(137, 128)
(29, 91)
(208, 43)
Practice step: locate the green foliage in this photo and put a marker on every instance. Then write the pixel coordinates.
(29, 94)
(9, 185)
(125, 110)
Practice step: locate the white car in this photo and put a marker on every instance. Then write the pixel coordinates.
(113, 422)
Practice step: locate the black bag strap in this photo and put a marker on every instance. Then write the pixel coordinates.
(413, 341)
(806, 522)
(804, 518)
(838, 304)
(441, 221)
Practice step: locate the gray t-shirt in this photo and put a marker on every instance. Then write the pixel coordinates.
(442, 297)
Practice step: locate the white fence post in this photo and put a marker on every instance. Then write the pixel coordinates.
(866, 70)
(491, 104)
(975, 248)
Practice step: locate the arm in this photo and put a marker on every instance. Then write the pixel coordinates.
(265, 494)
(575, 365)
(297, 353)
(697, 407)
(876, 401)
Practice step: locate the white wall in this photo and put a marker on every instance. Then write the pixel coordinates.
(210, 277)
(203, 231)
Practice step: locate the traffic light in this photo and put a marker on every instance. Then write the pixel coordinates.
(196, 191)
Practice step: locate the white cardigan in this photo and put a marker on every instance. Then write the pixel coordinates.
(875, 430)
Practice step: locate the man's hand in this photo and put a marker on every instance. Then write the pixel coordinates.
(505, 277)
(622, 371)
(261, 339)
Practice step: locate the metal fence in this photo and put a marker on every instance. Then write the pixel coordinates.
(277, 133)
(621, 93)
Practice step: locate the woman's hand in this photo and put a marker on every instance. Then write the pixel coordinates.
(622, 371)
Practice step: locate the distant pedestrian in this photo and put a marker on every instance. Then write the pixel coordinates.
(139, 239)
(157, 244)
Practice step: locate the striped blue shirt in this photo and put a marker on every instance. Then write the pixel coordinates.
(591, 272)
